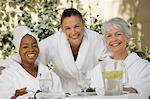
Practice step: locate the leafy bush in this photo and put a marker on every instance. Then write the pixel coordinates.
(22, 11)
(48, 18)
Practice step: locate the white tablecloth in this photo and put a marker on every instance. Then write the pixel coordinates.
(125, 96)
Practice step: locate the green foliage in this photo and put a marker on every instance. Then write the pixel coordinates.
(97, 24)
(22, 11)
(90, 89)
(48, 18)
(6, 45)
(144, 53)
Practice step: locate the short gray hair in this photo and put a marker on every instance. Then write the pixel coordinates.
(117, 22)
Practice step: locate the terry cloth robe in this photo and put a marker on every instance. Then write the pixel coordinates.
(137, 75)
(56, 48)
(16, 77)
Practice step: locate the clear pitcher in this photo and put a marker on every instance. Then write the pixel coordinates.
(112, 73)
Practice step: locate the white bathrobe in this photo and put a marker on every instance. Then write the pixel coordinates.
(56, 48)
(15, 77)
(138, 75)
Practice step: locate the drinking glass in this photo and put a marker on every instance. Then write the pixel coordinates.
(84, 80)
(112, 72)
(45, 85)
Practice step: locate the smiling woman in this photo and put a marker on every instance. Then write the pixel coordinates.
(72, 24)
(29, 51)
(136, 70)
(22, 78)
(117, 34)
(73, 49)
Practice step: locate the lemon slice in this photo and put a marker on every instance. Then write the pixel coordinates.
(112, 74)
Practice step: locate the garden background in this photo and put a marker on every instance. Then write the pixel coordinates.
(43, 17)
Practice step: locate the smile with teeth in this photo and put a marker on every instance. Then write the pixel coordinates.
(115, 44)
(31, 55)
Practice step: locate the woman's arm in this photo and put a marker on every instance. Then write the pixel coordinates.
(130, 90)
(19, 92)
(1, 68)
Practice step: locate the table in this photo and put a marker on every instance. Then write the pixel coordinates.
(125, 96)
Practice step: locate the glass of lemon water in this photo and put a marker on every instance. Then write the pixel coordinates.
(112, 72)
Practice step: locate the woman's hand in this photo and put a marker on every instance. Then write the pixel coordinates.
(1, 68)
(130, 90)
(20, 92)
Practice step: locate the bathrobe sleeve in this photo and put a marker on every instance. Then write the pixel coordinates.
(6, 85)
(101, 51)
(141, 79)
(57, 83)
(5, 63)
(47, 49)
(138, 74)
(97, 80)
(8, 62)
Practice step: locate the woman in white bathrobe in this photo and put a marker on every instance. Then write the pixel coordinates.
(73, 49)
(117, 33)
(21, 79)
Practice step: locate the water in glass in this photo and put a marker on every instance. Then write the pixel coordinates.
(112, 76)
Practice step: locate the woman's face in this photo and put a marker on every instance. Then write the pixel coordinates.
(73, 27)
(116, 40)
(29, 50)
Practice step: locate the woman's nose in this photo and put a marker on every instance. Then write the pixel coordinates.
(73, 31)
(114, 38)
(31, 49)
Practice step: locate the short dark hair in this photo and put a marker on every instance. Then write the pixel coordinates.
(71, 12)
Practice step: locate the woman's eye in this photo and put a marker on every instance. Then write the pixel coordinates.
(118, 33)
(25, 46)
(108, 36)
(35, 45)
(77, 26)
(67, 28)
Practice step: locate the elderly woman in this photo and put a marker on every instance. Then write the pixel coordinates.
(21, 79)
(117, 32)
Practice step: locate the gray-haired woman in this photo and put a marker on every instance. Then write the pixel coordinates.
(117, 33)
